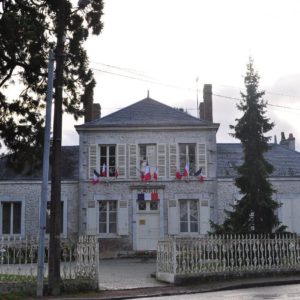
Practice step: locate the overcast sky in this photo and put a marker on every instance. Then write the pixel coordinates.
(164, 45)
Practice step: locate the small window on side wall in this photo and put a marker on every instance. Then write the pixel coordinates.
(61, 217)
(11, 217)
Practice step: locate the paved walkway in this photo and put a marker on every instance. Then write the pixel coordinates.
(116, 274)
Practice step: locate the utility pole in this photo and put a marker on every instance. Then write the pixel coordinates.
(197, 111)
(44, 192)
(55, 208)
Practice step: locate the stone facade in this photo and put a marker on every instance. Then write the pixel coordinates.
(125, 190)
(111, 209)
(29, 194)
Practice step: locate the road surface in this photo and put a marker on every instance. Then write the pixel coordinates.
(290, 292)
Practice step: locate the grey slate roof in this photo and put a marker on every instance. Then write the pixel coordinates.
(70, 167)
(286, 162)
(146, 113)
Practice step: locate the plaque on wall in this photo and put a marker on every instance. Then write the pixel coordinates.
(172, 203)
(91, 204)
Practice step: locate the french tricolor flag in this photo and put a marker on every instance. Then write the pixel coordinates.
(186, 169)
(178, 174)
(103, 170)
(200, 175)
(96, 177)
(147, 175)
(117, 172)
(155, 174)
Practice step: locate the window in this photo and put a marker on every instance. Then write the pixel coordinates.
(61, 217)
(108, 216)
(187, 153)
(188, 215)
(147, 153)
(11, 217)
(108, 157)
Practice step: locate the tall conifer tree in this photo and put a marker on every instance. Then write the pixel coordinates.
(255, 212)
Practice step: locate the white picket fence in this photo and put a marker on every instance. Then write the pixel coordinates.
(226, 254)
(79, 258)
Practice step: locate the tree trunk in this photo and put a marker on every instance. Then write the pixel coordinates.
(55, 208)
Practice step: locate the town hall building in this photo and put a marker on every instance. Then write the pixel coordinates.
(143, 173)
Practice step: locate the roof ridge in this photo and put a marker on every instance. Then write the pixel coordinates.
(147, 112)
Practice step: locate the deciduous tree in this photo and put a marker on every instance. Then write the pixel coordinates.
(28, 30)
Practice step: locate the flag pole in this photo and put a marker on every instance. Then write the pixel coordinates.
(197, 110)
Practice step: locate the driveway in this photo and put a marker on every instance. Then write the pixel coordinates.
(116, 274)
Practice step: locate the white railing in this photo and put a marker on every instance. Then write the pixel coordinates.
(226, 254)
(18, 258)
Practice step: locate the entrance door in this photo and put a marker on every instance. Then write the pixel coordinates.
(147, 225)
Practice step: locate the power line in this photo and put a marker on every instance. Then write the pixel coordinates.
(188, 89)
(133, 71)
(145, 80)
(239, 99)
(266, 91)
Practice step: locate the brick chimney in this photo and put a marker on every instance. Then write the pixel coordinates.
(92, 110)
(205, 107)
(96, 111)
(289, 142)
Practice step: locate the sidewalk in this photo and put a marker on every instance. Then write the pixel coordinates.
(118, 274)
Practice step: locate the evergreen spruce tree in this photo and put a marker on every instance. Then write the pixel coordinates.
(255, 212)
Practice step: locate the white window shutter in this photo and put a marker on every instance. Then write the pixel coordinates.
(132, 160)
(204, 219)
(121, 160)
(91, 221)
(173, 218)
(202, 162)
(123, 218)
(93, 160)
(172, 160)
(161, 160)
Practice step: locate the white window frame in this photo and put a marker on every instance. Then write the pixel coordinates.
(142, 162)
(9, 199)
(65, 214)
(107, 233)
(188, 202)
(187, 157)
(64, 199)
(107, 159)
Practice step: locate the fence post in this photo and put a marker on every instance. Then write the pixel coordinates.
(96, 240)
(174, 256)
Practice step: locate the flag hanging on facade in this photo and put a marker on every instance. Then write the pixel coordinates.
(103, 170)
(147, 176)
(200, 175)
(117, 172)
(178, 174)
(142, 175)
(186, 169)
(154, 196)
(96, 177)
(155, 174)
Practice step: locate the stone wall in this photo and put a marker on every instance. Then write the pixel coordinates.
(287, 193)
(29, 193)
